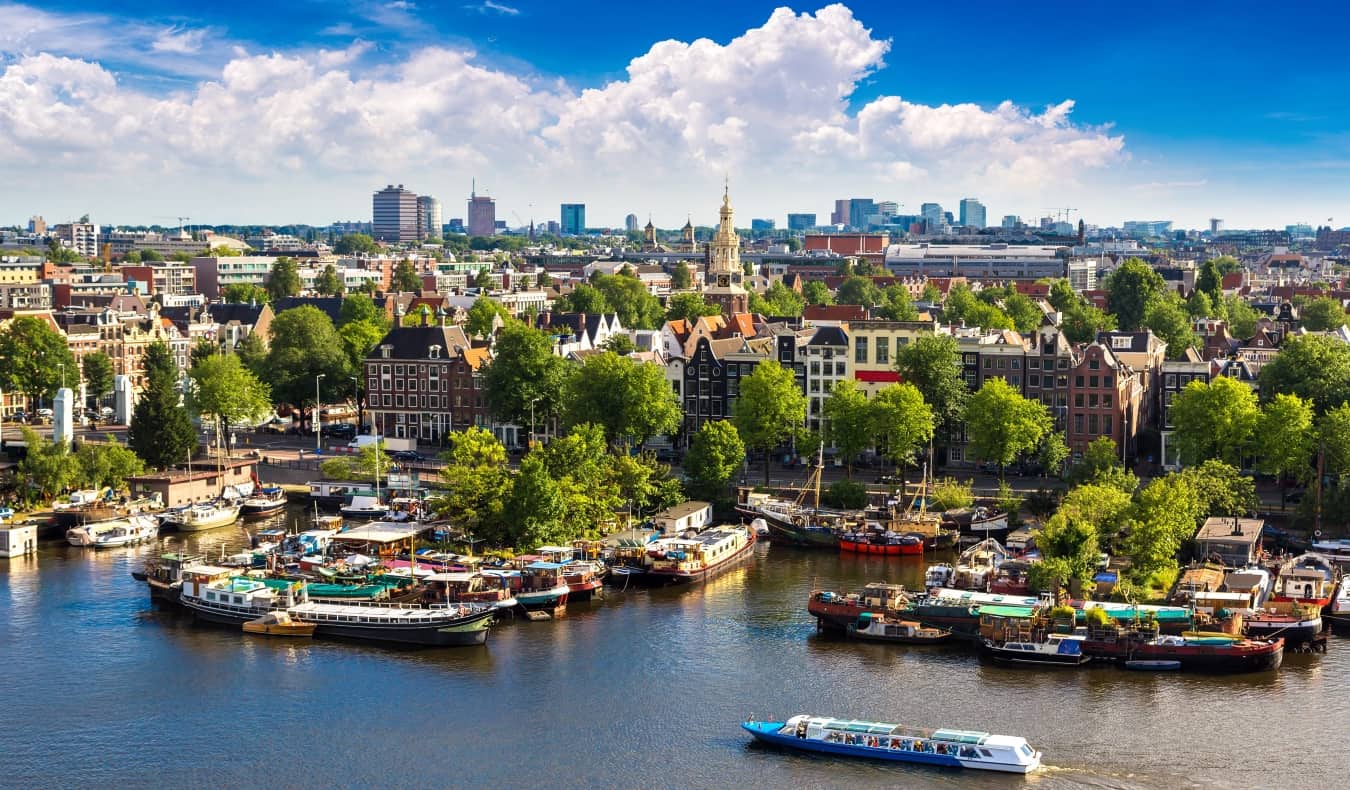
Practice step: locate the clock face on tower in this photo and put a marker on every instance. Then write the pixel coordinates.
(723, 281)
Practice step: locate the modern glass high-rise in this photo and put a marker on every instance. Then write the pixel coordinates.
(630, 222)
(573, 219)
(859, 209)
(395, 214)
(932, 216)
(801, 221)
(972, 213)
(429, 219)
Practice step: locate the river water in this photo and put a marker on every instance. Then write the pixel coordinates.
(643, 689)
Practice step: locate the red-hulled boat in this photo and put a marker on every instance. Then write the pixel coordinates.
(836, 611)
(879, 541)
(1012, 578)
(583, 578)
(1198, 653)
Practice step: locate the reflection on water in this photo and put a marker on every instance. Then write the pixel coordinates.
(639, 688)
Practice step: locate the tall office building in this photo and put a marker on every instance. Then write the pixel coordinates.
(859, 209)
(801, 221)
(888, 208)
(573, 219)
(972, 213)
(429, 217)
(630, 222)
(482, 214)
(932, 216)
(1011, 221)
(840, 214)
(1215, 225)
(761, 224)
(395, 214)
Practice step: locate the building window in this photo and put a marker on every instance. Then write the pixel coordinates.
(384, 399)
(1078, 400)
(1092, 382)
(860, 350)
(883, 351)
(988, 363)
(1106, 424)
(1106, 381)
(1106, 401)
(1170, 381)
(1092, 423)
(1092, 400)
(815, 367)
(1034, 381)
(398, 370)
(1078, 381)
(1094, 364)
(1016, 364)
(398, 401)
(1078, 423)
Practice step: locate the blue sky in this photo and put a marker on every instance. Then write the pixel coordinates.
(275, 112)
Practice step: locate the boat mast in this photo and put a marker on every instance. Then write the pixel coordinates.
(820, 468)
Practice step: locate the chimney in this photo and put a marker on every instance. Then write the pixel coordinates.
(1237, 525)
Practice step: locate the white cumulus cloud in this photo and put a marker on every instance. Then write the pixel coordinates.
(771, 108)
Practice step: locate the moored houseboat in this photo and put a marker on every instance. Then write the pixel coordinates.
(1296, 623)
(331, 495)
(1055, 650)
(1308, 578)
(697, 559)
(126, 531)
(880, 741)
(836, 611)
(1012, 577)
(263, 502)
(1210, 653)
(879, 628)
(92, 507)
(201, 516)
(877, 540)
(976, 566)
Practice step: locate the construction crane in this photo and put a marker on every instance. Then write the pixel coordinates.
(1061, 212)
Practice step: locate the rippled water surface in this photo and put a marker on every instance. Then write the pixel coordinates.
(643, 689)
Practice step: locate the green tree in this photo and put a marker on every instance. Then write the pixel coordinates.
(358, 338)
(356, 244)
(161, 431)
(778, 301)
(931, 294)
(932, 363)
(620, 344)
(636, 306)
(253, 353)
(1214, 420)
(689, 307)
(1313, 367)
(477, 485)
(816, 292)
(680, 279)
(483, 281)
(151, 256)
(328, 283)
(405, 279)
(1323, 314)
(283, 280)
(1210, 281)
(1003, 425)
(1168, 319)
(524, 380)
(715, 455)
(630, 400)
(304, 345)
(1130, 289)
(106, 465)
(245, 293)
(203, 348)
(1105, 507)
(1073, 543)
(1242, 317)
(1101, 465)
(1025, 315)
(897, 306)
(962, 306)
(1166, 513)
(850, 421)
(1284, 439)
(770, 408)
(858, 290)
(1082, 322)
(360, 307)
(1199, 305)
(483, 316)
(1052, 453)
(583, 299)
(1220, 489)
(1333, 437)
(902, 422)
(97, 368)
(133, 256)
(585, 474)
(1062, 296)
(34, 359)
(224, 391)
(48, 468)
(534, 512)
(952, 494)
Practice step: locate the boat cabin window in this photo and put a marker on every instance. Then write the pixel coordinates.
(1025, 750)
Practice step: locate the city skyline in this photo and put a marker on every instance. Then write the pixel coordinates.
(228, 116)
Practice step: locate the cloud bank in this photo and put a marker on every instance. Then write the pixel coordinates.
(773, 108)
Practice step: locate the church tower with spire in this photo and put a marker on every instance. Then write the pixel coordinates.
(724, 264)
(687, 234)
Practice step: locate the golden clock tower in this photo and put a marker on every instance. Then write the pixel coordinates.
(724, 264)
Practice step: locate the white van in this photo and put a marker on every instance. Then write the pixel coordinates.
(364, 440)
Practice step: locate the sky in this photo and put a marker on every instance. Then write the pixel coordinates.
(272, 113)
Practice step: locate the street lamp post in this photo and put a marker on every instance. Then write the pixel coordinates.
(530, 443)
(318, 415)
(356, 385)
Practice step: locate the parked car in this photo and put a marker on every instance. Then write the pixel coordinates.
(407, 455)
(19, 416)
(340, 430)
(6, 513)
(106, 411)
(46, 413)
(667, 455)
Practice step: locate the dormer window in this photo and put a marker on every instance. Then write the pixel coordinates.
(434, 352)
(385, 350)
